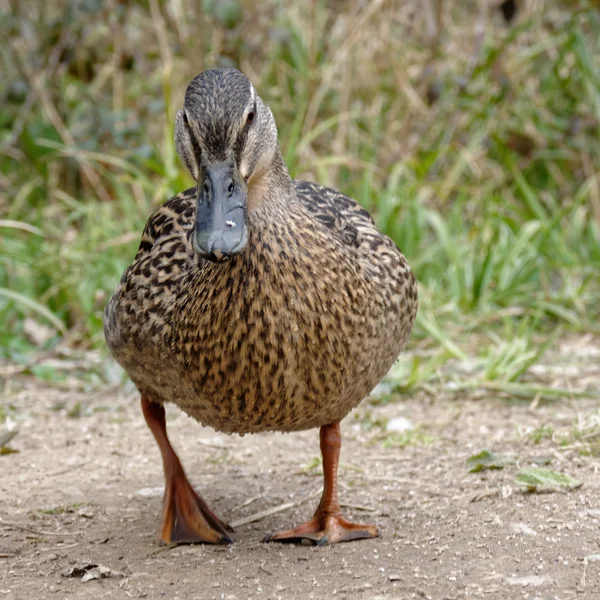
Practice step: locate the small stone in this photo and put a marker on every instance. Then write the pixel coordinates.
(155, 492)
(523, 529)
(399, 425)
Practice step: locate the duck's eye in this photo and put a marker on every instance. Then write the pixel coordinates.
(185, 120)
(250, 117)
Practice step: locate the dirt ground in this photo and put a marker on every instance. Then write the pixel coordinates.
(85, 490)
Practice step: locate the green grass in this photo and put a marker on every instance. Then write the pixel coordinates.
(414, 437)
(62, 510)
(543, 432)
(491, 191)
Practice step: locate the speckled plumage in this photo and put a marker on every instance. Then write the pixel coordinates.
(290, 334)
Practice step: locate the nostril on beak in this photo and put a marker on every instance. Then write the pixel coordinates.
(230, 187)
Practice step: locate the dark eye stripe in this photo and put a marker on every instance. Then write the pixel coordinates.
(195, 145)
(240, 143)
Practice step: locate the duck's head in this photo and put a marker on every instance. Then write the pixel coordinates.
(227, 137)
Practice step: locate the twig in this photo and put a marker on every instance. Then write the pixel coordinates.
(67, 470)
(249, 501)
(6, 555)
(489, 493)
(62, 547)
(271, 511)
(358, 507)
(535, 402)
(36, 531)
(582, 581)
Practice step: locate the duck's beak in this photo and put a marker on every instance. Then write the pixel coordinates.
(221, 212)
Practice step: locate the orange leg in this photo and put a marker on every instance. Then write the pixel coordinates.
(327, 525)
(186, 517)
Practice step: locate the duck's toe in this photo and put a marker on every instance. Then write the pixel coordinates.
(187, 519)
(326, 530)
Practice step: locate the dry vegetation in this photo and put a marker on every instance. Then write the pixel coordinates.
(473, 141)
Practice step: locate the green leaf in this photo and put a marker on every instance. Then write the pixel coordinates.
(486, 460)
(534, 478)
(4, 450)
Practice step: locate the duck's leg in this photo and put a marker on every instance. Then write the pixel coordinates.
(186, 517)
(327, 525)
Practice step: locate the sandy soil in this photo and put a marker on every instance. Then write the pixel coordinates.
(87, 491)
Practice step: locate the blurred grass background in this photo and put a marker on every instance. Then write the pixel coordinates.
(473, 139)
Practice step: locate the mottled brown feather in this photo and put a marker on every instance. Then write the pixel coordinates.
(289, 335)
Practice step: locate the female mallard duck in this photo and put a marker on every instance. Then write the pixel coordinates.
(255, 303)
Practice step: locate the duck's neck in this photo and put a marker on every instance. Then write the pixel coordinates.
(270, 191)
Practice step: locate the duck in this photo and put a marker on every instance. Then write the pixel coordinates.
(255, 303)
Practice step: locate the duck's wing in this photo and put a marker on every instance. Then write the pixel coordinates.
(163, 253)
(341, 215)
(171, 218)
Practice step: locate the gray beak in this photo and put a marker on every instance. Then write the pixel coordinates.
(221, 213)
